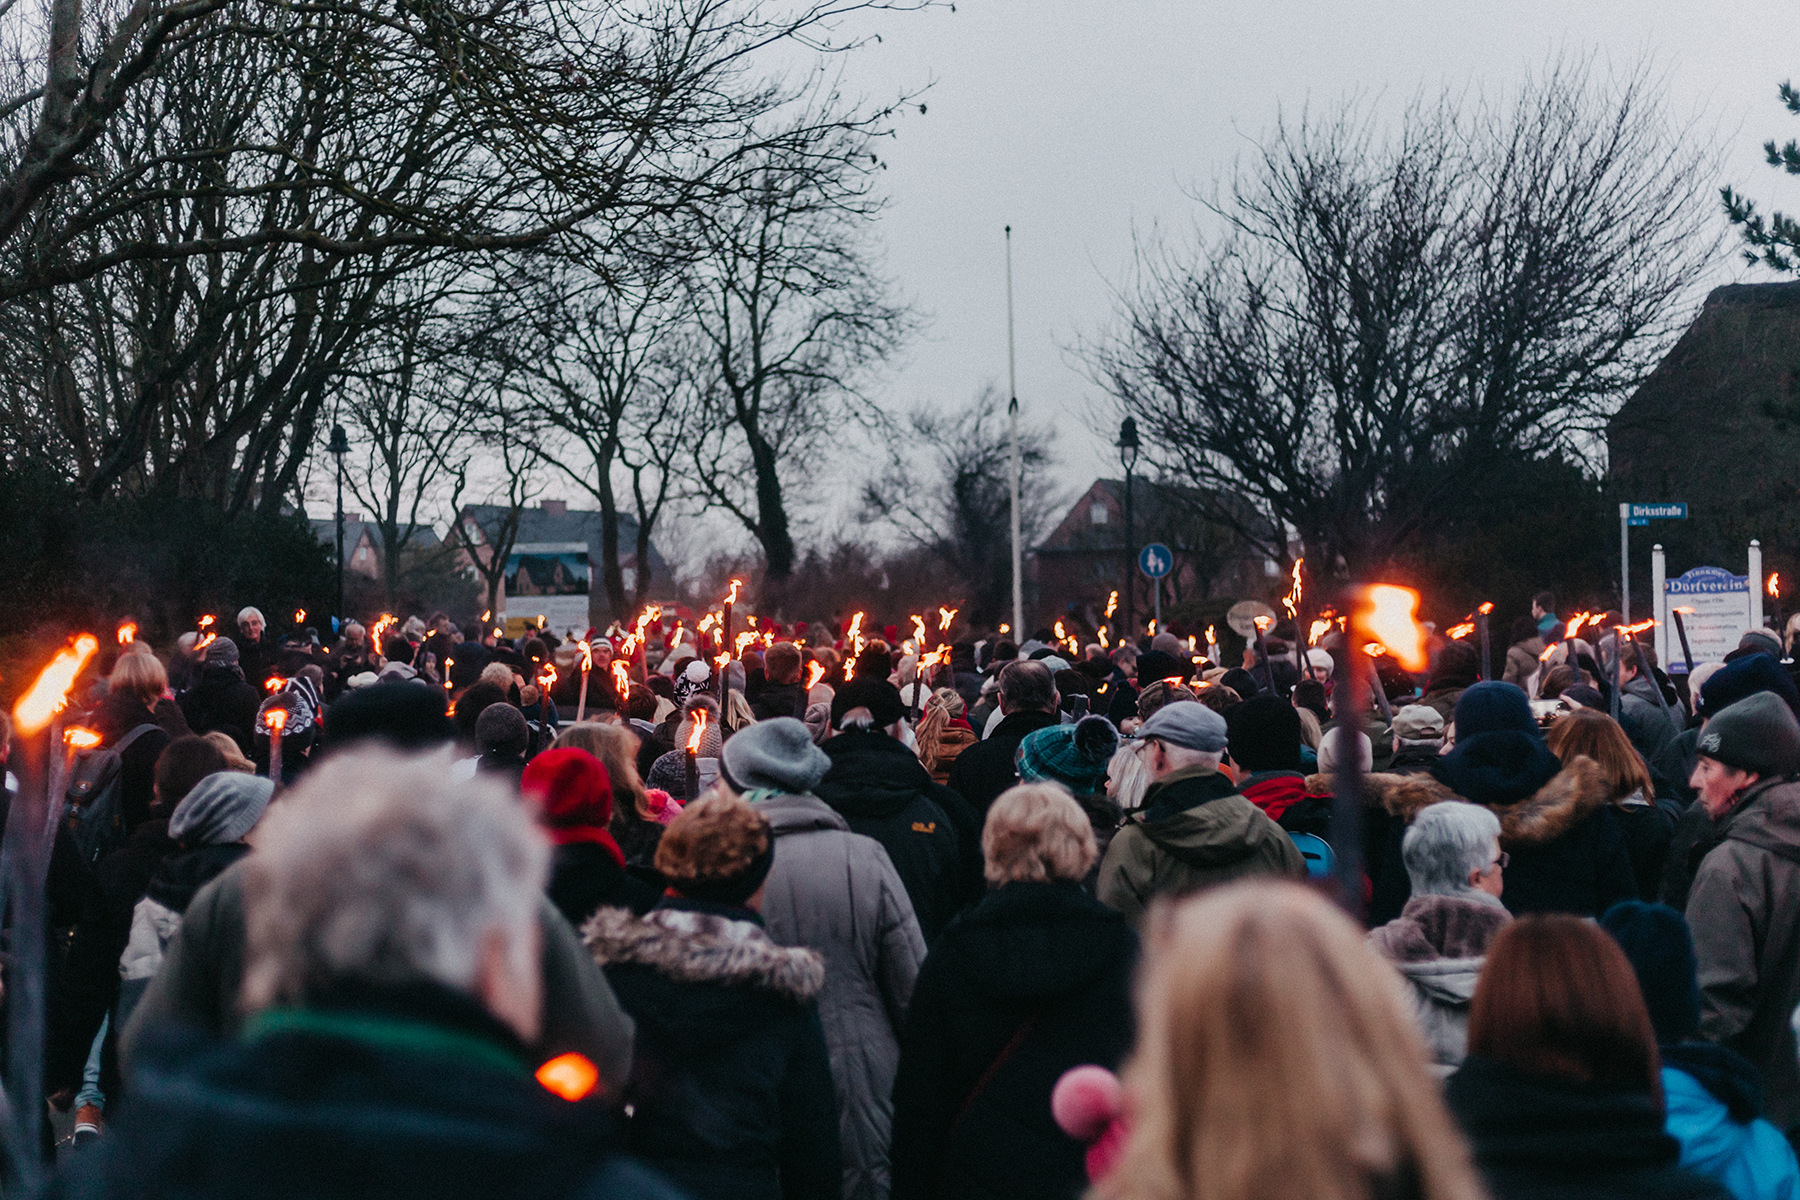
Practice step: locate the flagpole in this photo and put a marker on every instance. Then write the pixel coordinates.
(1012, 416)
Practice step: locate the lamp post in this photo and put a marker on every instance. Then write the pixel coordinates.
(340, 446)
(1128, 456)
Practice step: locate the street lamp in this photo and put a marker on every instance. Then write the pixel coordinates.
(1128, 455)
(340, 446)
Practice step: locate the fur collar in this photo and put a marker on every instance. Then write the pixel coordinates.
(1572, 795)
(695, 947)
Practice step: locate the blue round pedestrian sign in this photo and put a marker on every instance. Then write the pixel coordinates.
(1155, 560)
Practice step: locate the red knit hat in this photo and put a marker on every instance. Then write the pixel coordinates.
(576, 794)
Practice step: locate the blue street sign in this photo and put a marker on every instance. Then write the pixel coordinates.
(1638, 521)
(1155, 560)
(1641, 513)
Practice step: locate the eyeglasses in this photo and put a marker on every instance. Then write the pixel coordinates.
(1504, 861)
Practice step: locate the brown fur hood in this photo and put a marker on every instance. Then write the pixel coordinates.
(693, 947)
(1572, 795)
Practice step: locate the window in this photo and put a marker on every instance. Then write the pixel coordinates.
(1097, 513)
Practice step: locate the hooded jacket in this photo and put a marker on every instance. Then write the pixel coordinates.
(1034, 980)
(1749, 1156)
(1568, 851)
(1438, 944)
(1194, 831)
(1540, 1137)
(837, 892)
(157, 917)
(1643, 719)
(730, 1090)
(883, 791)
(1744, 909)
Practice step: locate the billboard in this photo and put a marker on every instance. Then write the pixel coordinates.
(549, 580)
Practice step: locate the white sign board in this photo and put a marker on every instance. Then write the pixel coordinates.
(1721, 604)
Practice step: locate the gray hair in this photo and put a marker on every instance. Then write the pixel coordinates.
(378, 868)
(248, 611)
(1447, 840)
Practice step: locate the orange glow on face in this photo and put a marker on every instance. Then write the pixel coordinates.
(275, 719)
(80, 739)
(570, 1076)
(51, 691)
(1389, 616)
(127, 633)
(699, 731)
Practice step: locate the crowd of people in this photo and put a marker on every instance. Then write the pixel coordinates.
(818, 920)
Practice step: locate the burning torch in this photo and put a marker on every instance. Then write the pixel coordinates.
(587, 664)
(1774, 590)
(275, 720)
(692, 761)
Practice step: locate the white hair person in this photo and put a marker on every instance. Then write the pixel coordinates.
(378, 870)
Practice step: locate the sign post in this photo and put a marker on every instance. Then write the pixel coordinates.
(1155, 561)
(1638, 514)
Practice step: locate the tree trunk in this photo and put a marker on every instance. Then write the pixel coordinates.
(612, 578)
(771, 514)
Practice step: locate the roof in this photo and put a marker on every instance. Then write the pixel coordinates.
(554, 522)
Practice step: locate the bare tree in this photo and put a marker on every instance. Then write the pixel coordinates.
(791, 317)
(1381, 316)
(945, 492)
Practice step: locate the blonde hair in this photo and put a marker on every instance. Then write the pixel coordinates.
(738, 714)
(616, 747)
(141, 675)
(498, 674)
(941, 706)
(234, 757)
(1132, 773)
(1310, 730)
(1037, 833)
(1275, 1058)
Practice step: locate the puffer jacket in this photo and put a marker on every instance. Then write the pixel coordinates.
(837, 892)
(1720, 1136)
(1194, 831)
(730, 1091)
(1568, 850)
(1438, 944)
(1744, 909)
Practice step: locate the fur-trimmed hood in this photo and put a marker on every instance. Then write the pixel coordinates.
(1573, 794)
(699, 947)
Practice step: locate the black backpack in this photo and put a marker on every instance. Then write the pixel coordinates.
(94, 803)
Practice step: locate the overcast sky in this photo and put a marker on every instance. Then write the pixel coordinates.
(1076, 122)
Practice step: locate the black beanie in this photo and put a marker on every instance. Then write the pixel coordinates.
(1758, 734)
(408, 715)
(1265, 734)
(1153, 665)
(1657, 942)
(880, 697)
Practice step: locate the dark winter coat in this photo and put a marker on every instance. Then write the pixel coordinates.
(1644, 720)
(730, 1091)
(117, 715)
(779, 700)
(1194, 831)
(1536, 1137)
(991, 766)
(1032, 981)
(1648, 827)
(884, 792)
(1744, 909)
(416, 1094)
(1568, 851)
(585, 876)
(203, 973)
(88, 984)
(223, 700)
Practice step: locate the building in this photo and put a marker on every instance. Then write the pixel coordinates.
(554, 569)
(1717, 426)
(362, 542)
(1086, 557)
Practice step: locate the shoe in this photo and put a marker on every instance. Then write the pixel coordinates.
(88, 1123)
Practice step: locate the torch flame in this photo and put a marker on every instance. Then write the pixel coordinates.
(201, 645)
(814, 672)
(1487, 608)
(919, 631)
(206, 621)
(945, 616)
(487, 615)
(735, 585)
(1291, 601)
(128, 633)
(299, 615)
(80, 739)
(1061, 633)
(1105, 643)
(448, 663)
(275, 719)
(1388, 615)
(706, 623)
(1775, 584)
(1151, 627)
(849, 669)
(1549, 652)
(1641, 626)
(1112, 605)
(273, 683)
(1686, 612)
(693, 743)
(1319, 629)
(587, 655)
(621, 677)
(1263, 623)
(1576, 622)
(1212, 635)
(547, 677)
(1457, 633)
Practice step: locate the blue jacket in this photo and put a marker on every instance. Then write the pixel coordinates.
(1752, 1160)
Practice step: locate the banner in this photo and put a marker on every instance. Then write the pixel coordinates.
(548, 580)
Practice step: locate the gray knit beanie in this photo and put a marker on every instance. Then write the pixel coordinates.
(1758, 734)
(777, 753)
(222, 808)
(501, 729)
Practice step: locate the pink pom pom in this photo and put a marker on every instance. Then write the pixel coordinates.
(1085, 1101)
